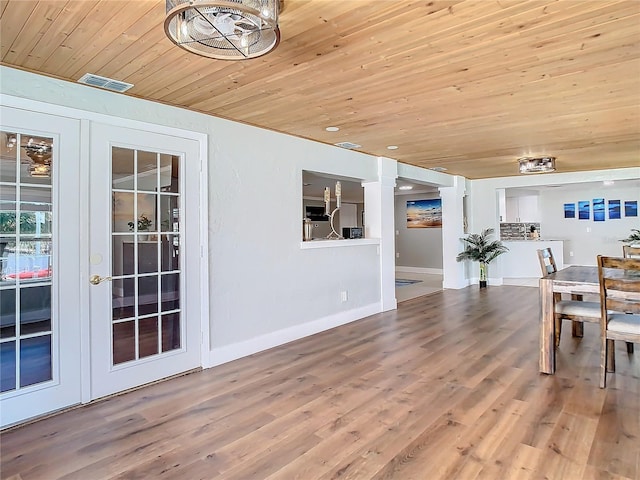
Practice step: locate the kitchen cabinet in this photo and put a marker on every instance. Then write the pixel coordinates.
(522, 209)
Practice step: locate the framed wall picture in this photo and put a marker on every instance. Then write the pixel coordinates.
(569, 210)
(598, 209)
(583, 210)
(631, 208)
(424, 213)
(614, 209)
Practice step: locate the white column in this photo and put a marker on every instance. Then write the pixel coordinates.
(380, 223)
(452, 231)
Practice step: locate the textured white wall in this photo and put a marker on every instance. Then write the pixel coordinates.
(417, 247)
(586, 238)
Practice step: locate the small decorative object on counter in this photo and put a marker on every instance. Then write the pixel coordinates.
(307, 229)
(534, 232)
(332, 214)
(144, 223)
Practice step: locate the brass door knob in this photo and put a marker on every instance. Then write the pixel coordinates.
(97, 279)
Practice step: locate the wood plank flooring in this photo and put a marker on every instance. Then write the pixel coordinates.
(428, 284)
(446, 387)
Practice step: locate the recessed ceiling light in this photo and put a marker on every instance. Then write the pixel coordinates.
(392, 147)
(608, 183)
(405, 187)
(438, 169)
(332, 129)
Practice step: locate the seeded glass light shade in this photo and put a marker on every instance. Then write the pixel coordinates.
(537, 165)
(40, 158)
(226, 29)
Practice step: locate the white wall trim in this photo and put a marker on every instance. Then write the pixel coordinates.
(496, 281)
(425, 270)
(79, 114)
(452, 232)
(205, 321)
(234, 351)
(346, 242)
(85, 305)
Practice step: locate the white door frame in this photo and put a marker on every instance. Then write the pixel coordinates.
(86, 118)
(64, 388)
(107, 378)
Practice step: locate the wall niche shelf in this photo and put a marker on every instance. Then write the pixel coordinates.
(338, 243)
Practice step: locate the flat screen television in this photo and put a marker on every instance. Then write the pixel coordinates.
(315, 214)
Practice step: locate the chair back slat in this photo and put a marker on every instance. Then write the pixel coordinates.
(619, 284)
(631, 264)
(630, 252)
(629, 285)
(623, 305)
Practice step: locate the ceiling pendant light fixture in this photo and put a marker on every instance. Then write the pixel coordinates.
(224, 29)
(537, 164)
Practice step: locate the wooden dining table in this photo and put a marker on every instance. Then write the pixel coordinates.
(575, 280)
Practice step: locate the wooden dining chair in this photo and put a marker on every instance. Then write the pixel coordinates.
(547, 262)
(620, 307)
(575, 309)
(630, 252)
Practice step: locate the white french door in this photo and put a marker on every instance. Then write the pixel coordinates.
(144, 257)
(40, 321)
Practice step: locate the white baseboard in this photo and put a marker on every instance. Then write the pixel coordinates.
(429, 271)
(464, 283)
(490, 281)
(227, 353)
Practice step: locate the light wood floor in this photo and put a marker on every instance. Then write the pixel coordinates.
(446, 387)
(428, 284)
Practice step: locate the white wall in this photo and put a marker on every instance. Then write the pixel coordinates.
(585, 238)
(416, 247)
(264, 289)
(265, 283)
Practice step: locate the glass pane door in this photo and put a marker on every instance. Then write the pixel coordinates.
(145, 300)
(26, 216)
(146, 239)
(40, 299)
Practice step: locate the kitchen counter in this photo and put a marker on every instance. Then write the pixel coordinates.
(521, 261)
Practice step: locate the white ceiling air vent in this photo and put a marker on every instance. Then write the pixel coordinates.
(348, 145)
(104, 82)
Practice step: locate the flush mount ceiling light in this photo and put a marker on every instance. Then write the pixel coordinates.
(40, 155)
(537, 164)
(332, 129)
(224, 29)
(392, 147)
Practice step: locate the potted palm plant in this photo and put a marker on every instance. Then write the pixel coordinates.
(479, 248)
(633, 238)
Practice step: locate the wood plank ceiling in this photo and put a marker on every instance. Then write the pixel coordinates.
(466, 85)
